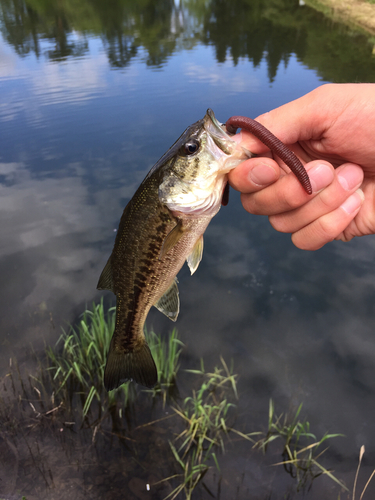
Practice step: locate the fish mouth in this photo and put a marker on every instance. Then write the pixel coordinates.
(222, 138)
(217, 131)
(214, 120)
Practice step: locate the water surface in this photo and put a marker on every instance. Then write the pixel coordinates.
(91, 95)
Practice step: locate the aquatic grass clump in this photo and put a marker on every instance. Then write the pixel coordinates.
(84, 348)
(205, 415)
(166, 354)
(77, 362)
(299, 453)
(206, 411)
(79, 366)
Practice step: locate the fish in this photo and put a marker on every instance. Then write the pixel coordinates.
(161, 227)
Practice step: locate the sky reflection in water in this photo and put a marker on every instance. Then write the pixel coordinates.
(79, 133)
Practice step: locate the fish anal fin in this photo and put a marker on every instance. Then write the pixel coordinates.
(106, 281)
(137, 365)
(169, 303)
(195, 256)
(172, 239)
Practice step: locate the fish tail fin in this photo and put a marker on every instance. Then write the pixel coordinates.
(137, 365)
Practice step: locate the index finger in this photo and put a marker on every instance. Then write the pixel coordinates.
(287, 193)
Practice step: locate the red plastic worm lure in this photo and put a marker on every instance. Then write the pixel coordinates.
(275, 145)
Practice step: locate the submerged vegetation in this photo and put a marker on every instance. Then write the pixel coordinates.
(205, 415)
(299, 453)
(198, 424)
(76, 364)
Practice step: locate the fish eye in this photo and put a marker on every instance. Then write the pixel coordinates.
(191, 146)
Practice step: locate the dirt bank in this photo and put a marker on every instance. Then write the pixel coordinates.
(356, 12)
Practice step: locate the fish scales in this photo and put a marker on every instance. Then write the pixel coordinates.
(141, 277)
(160, 228)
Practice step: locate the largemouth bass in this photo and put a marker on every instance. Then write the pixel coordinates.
(161, 227)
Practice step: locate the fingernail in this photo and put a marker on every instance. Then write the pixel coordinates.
(350, 177)
(353, 203)
(320, 177)
(263, 175)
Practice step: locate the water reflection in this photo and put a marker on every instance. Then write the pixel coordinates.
(59, 31)
(92, 95)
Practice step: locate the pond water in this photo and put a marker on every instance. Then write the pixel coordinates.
(91, 95)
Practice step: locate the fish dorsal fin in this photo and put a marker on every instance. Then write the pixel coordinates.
(172, 239)
(105, 281)
(195, 257)
(169, 303)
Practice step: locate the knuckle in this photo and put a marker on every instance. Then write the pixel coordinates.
(290, 200)
(326, 230)
(331, 199)
(250, 204)
(280, 223)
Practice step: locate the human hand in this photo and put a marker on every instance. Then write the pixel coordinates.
(333, 125)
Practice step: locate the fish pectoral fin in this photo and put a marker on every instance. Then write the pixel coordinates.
(137, 365)
(195, 256)
(105, 281)
(169, 303)
(172, 239)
